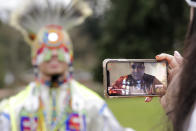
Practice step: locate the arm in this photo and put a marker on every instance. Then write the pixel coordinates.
(5, 120)
(111, 124)
(167, 101)
(118, 83)
(5, 123)
(175, 63)
(104, 120)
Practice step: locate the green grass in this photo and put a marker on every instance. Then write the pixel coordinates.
(135, 113)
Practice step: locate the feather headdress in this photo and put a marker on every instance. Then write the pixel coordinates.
(35, 14)
(44, 23)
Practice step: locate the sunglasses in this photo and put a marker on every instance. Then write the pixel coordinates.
(191, 3)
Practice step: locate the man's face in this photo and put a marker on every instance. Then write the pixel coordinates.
(53, 66)
(137, 70)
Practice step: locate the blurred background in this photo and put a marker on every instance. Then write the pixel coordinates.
(118, 29)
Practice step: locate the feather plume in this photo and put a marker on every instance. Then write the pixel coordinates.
(31, 15)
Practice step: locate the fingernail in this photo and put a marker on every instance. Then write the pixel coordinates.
(159, 54)
(177, 54)
(146, 100)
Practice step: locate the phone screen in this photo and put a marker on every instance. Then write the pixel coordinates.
(126, 78)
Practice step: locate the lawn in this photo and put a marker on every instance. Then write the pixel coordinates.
(135, 113)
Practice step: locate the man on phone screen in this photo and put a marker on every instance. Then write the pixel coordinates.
(137, 82)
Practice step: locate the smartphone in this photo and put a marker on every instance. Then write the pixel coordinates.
(135, 77)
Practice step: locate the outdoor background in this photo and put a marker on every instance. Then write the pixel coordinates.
(118, 29)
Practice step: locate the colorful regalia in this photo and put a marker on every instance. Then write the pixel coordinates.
(60, 105)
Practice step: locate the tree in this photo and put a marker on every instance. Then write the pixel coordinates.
(140, 29)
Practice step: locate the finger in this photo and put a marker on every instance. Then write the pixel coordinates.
(163, 102)
(164, 56)
(148, 99)
(171, 74)
(178, 57)
(169, 58)
(160, 97)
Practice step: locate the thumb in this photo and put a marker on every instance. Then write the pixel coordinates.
(148, 99)
(178, 57)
